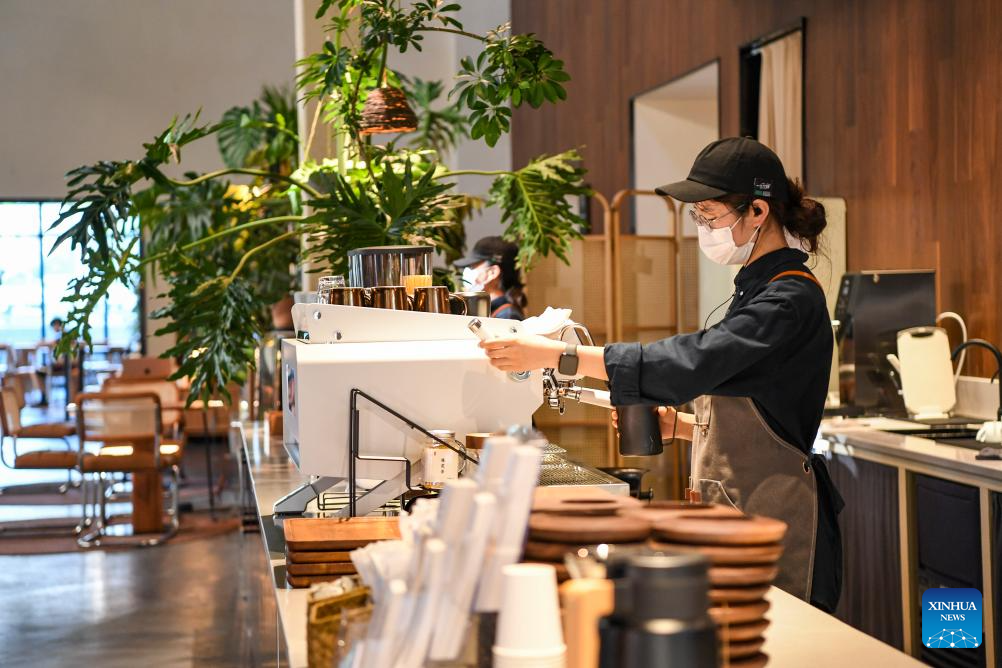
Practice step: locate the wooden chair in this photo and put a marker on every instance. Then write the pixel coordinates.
(147, 368)
(48, 459)
(10, 424)
(128, 428)
(171, 399)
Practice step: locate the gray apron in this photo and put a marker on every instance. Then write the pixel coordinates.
(738, 460)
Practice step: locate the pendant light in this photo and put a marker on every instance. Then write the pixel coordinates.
(385, 111)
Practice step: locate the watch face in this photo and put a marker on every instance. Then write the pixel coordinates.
(568, 364)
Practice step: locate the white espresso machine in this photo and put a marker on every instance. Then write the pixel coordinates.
(362, 387)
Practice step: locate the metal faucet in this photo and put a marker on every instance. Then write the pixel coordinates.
(998, 361)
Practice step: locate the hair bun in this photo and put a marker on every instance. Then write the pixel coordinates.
(804, 217)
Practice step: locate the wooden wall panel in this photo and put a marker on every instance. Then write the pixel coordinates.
(901, 101)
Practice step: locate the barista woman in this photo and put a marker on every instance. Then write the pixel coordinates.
(491, 268)
(758, 379)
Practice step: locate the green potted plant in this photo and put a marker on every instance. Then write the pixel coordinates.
(208, 241)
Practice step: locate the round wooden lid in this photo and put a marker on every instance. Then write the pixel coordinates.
(748, 530)
(727, 555)
(585, 505)
(742, 576)
(741, 613)
(719, 595)
(739, 632)
(657, 511)
(588, 530)
(743, 648)
(759, 660)
(554, 552)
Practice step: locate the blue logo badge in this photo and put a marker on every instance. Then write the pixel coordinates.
(951, 618)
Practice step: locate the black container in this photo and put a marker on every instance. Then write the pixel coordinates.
(632, 477)
(639, 431)
(660, 616)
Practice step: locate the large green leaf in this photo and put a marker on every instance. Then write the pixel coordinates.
(216, 323)
(536, 208)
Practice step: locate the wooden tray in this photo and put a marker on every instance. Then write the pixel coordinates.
(743, 613)
(338, 534)
(727, 555)
(657, 511)
(739, 632)
(300, 581)
(548, 552)
(759, 660)
(554, 552)
(587, 530)
(297, 557)
(742, 649)
(719, 595)
(750, 530)
(585, 505)
(742, 576)
(320, 569)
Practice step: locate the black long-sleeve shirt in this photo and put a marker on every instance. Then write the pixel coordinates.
(774, 345)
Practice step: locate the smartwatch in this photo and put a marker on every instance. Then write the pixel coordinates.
(568, 364)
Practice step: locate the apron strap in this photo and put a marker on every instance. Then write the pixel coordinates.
(825, 482)
(501, 309)
(803, 274)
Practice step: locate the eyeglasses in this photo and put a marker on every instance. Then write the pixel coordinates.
(703, 221)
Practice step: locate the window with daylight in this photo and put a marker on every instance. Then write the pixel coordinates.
(34, 279)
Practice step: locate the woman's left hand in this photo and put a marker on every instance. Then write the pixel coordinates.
(523, 353)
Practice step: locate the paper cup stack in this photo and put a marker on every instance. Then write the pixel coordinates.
(743, 552)
(318, 550)
(528, 632)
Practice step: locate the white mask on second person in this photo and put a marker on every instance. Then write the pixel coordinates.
(473, 278)
(718, 244)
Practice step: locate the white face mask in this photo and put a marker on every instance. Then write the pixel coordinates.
(718, 244)
(473, 278)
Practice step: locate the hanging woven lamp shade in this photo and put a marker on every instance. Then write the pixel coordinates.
(386, 110)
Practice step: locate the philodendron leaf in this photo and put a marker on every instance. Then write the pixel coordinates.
(240, 135)
(535, 204)
(215, 323)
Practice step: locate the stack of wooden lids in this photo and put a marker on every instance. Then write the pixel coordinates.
(318, 550)
(566, 520)
(743, 552)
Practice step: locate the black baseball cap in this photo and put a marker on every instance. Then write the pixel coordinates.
(734, 165)
(491, 249)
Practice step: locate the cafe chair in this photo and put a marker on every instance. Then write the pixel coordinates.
(48, 458)
(171, 400)
(147, 368)
(127, 428)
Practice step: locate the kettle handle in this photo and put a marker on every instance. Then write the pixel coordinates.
(455, 299)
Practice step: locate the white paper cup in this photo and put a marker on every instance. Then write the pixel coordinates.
(990, 432)
(552, 661)
(529, 617)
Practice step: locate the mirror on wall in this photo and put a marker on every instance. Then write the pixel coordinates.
(671, 124)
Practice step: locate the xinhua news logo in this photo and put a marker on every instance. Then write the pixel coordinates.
(951, 618)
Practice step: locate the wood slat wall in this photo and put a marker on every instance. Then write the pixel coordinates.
(902, 105)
